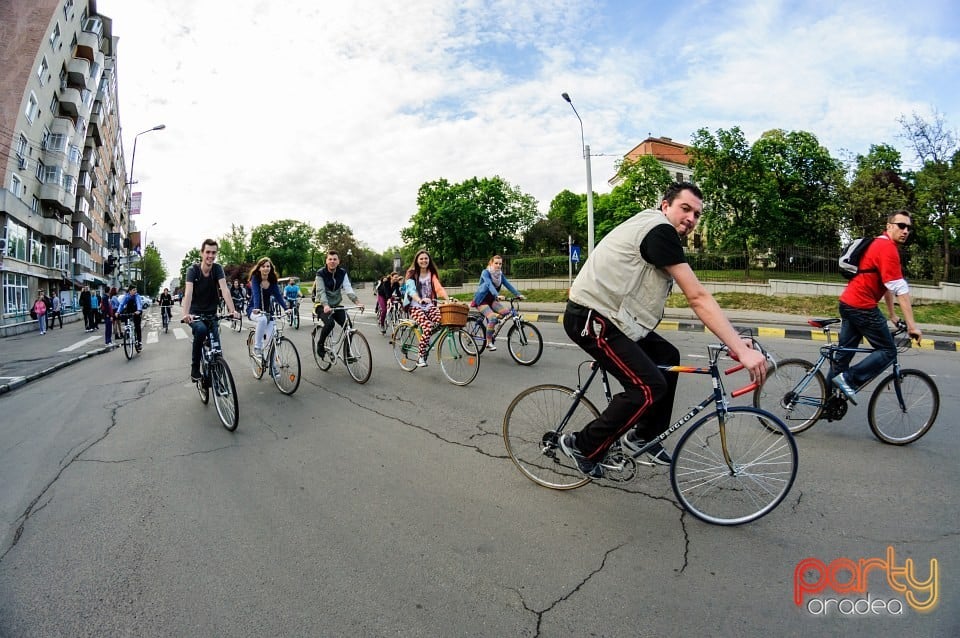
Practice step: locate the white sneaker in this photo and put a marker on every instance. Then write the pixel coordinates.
(421, 363)
(258, 352)
(491, 347)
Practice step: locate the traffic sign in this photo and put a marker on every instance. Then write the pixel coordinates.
(575, 253)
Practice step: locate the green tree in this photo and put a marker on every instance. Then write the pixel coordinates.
(286, 242)
(235, 247)
(152, 271)
(641, 185)
(876, 189)
(334, 236)
(470, 220)
(729, 175)
(800, 190)
(938, 182)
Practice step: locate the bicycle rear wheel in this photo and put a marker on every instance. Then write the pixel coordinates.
(224, 393)
(763, 465)
(285, 365)
(322, 362)
(532, 429)
(357, 356)
(476, 328)
(778, 395)
(898, 425)
(203, 389)
(525, 343)
(405, 341)
(127, 343)
(458, 357)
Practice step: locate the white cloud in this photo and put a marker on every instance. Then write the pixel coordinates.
(339, 112)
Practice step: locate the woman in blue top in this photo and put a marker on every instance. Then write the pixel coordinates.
(487, 298)
(263, 286)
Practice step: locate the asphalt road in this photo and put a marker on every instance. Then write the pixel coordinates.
(391, 509)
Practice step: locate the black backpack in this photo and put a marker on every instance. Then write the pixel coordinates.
(849, 261)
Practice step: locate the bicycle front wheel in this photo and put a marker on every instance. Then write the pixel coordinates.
(357, 357)
(524, 343)
(734, 468)
(532, 427)
(779, 396)
(405, 342)
(459, 358)
(127, 344)
(899, 423)
(202, 388)
(224, 393)
(256, 364)
(285, 365)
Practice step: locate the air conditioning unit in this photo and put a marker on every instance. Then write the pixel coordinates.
(3, 245)
(21, 162)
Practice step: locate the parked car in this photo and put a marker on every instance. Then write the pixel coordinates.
(147, 300)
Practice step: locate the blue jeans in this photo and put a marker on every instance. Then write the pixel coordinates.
(859, 324)
(200, 331)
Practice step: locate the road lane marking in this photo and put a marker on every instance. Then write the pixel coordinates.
(80, 344)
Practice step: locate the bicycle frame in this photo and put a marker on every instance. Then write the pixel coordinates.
(717, 397)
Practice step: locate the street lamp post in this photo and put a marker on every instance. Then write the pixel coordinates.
(586, 157)
(133, 158)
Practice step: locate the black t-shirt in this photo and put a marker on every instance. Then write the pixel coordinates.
(206, 295)
(661, 247)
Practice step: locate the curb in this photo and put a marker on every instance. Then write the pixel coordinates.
(943, 345)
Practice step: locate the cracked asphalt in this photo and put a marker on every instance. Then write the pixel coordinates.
(391, 508)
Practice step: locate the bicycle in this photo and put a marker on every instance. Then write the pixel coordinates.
(731, 467)
(902, 408)
(523, 338)
(128, 333)
(456, 351)
(293, 318)
(282, 355)
(236, 323)
(215, 374)
(166, 313)
(347, 344)
(395, 314)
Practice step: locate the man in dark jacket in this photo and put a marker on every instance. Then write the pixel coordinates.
(86, 309)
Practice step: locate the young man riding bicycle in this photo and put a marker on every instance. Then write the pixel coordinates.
(331, 284)
(206, 285)
(166, 306)
(615, 304)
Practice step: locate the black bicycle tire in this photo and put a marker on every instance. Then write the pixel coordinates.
(881, 390)
(763, 400)
(514, 331)
(697, 470)
(523, 451)
(283, 342)
(220, 363)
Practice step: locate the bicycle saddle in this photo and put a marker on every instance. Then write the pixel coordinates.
(822, 323)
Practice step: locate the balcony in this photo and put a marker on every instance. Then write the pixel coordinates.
(56, 195)
(70, 102)
(78, 72)
(88, 45)
(81, 217)
(96, 123)
(84, 185)
(91, 158)
(81, 243)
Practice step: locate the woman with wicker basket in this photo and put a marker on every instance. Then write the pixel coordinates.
(487, 298)
(421, 289)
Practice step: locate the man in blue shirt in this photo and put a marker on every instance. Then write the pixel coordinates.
(291, 292)
(132, 304)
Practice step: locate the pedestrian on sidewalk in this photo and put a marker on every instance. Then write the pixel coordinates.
(56, 309)
(85, 308)
(39, 312)
(109, 311)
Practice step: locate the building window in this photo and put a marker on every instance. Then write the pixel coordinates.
(16, 186)
(55, 142)
(66, 9)
(16, 295)
(22, 145)
(55, 104)
(42, 71)
(51, 175)
(41, 169)
(16, 240)
(55, 36)
(74, 154)
(35, 204)
(33, 107)
(38, 252)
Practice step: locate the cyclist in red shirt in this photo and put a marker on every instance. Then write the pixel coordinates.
(879, 276)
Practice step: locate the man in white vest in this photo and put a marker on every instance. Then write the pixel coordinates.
(615, 304)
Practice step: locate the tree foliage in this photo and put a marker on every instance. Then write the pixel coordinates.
(235, 247)
(642, 183)
(876, 189)
(152, 271)
(286, 242)
(192, 257)
(475, 218)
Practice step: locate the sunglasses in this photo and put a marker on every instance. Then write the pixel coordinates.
(903, 225)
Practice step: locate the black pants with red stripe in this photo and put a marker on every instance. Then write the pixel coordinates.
(647, 397)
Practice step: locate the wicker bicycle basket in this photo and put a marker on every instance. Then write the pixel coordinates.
(454, 315)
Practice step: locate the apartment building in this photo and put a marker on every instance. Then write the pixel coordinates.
(63, 201)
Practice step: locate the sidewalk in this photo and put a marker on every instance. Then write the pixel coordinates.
(30, 355)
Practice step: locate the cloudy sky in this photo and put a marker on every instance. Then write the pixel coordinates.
(338, 111)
